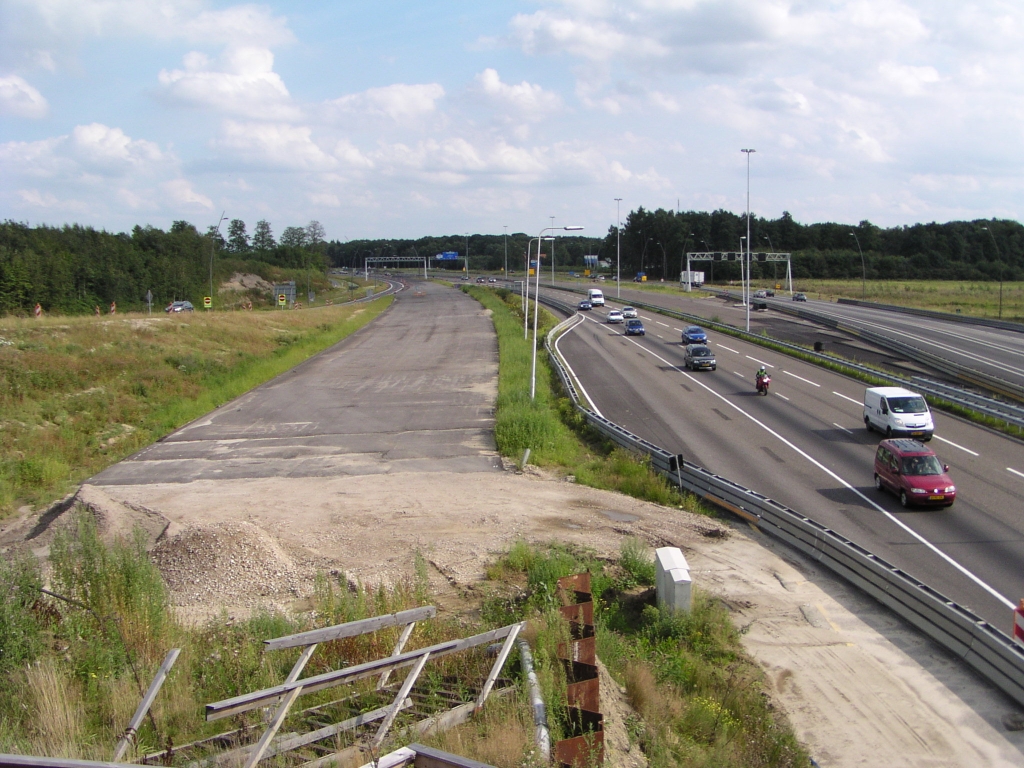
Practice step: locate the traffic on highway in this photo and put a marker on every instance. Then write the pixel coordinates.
(806, 446)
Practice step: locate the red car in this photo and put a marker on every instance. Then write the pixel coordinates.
(913, 472)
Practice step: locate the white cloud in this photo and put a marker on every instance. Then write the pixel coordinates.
(38, 199)
(273, 146)
(244, 84)
(399, 102)
(179, 193)
(910, 80)
(20, 99)
(239, 25)
(526, 100)
(101, 149)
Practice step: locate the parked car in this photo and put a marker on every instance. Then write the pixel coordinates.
(614, 316)
(799, 297)
(699, 358)
(635, 328)
(628, 312)
(584, 305)
(180, 306)
(913, 472)
(694, 334)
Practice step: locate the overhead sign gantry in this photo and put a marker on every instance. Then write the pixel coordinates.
(760, 257)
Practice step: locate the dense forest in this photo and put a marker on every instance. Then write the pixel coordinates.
(73, 269)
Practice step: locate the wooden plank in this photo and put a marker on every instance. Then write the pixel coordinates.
(398, 649)
(272, 727)
(351, 629)
(498, 664)
(250, 701)
(146, 703)
(407, 684)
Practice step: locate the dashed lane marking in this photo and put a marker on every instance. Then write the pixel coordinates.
(762, 362)
(808, 381)
(842, 428)
(950, 442)
(727, 349)
(840, 394)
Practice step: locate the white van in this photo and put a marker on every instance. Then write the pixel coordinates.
(897, 411)
(596, 297)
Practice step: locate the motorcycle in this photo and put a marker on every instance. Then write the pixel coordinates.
(762, 384)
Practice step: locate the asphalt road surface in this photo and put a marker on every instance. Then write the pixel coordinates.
(805, 446)
(415, 394)
(992, 351)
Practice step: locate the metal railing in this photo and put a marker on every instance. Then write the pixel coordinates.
(986, 649)
(1006, 325)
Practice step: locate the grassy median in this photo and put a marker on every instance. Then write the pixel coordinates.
(78, 394)
(549, 426)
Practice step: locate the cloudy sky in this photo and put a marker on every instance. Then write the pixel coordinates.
(401, 119)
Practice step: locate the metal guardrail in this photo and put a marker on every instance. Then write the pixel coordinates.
(986, 649)
(1010, 414)
(1006, 325)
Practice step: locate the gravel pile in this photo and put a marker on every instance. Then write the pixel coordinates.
(234, 563)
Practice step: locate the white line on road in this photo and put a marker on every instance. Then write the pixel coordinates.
(842, 428)
(659, 336)
(782, 396)
(840, 394)
(895, 520)
(950, 442)
(801, 379)
(722, 346)
(762, 362)
(1011, 469)
(573, 373)
(661, 323)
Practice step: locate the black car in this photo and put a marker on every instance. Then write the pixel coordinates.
(699, 358)
(584, 305)
(799, 297)
(770, 293)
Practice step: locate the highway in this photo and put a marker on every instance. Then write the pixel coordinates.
(991, 351)
(805, 446)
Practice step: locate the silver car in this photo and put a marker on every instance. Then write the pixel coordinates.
(629, 312)
(614, 316)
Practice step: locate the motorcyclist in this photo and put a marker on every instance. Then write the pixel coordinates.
(761, 373)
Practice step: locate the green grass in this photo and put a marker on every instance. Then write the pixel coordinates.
(73, 670)
(78, 394)
(700, 700)
(556, 434)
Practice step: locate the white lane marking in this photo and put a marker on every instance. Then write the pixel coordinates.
(782, 396)
(950, 442)
(1011, 469)
(842, 428)
(722, 346)
(680, 330)
(661, 323)
(840, 394)
(572, 372)
(895, 520)
(659, 336)
(801, 379)
(762, 362)
(738, 374)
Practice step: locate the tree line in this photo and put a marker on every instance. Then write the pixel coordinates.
(74, 268)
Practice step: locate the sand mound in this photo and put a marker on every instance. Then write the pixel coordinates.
(234, 563)
(247, 282)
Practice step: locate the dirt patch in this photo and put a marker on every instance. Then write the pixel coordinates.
(859, 687)
(247, 282)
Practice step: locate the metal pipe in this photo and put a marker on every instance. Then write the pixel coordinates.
(540, 716)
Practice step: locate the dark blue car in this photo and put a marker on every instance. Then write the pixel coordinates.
(694, 334)
(635, 328)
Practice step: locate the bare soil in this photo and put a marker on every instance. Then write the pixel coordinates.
(860, 687)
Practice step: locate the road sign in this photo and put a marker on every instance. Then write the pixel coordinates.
(281, 299)
(207, 302)
(448, 256)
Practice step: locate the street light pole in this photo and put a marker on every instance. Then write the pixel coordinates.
(748, 153)
(217, 232)
(536, 305)
(996, 246)
(618, 246)
(684, 256)
(467, 255)
(505, 227)
(863, 269)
